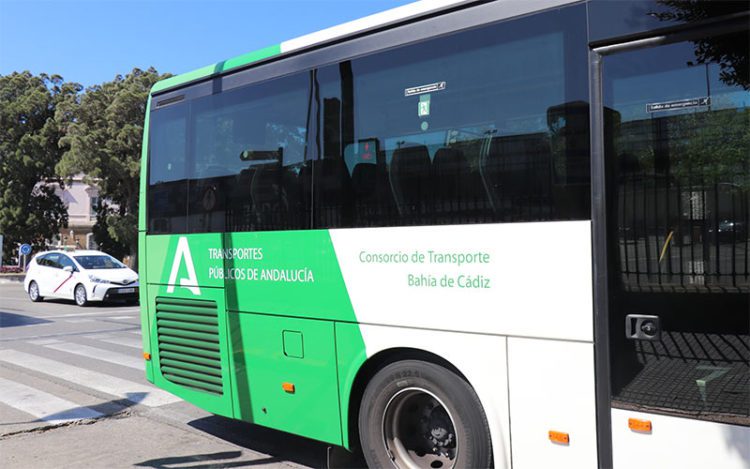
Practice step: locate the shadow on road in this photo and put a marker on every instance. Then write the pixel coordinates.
(281, 446)
(95, 304)
(96, 411)
(13, 320)
(212, 460)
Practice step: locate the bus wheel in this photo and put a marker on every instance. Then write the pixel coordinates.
(416, 414)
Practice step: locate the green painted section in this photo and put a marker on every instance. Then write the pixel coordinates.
(289, 318)
(292, 273)
(220, 404)
(144, 176)
(261, 368)
(143, 299)
(217, 68)
(162, 250)
(350, 356)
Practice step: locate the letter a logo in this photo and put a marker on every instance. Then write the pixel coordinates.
(191, 282)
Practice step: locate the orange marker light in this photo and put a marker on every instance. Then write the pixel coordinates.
(641, 426)
(288, 387)
(146, 355)
(559, 437)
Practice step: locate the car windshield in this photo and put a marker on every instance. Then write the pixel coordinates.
(99, 262)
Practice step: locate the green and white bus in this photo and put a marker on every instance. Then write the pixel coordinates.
(464, 234)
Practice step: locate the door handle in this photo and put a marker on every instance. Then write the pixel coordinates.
(642, 327)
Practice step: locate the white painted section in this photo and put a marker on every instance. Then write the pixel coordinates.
(481, 358)
(378, 19)
(678, 442)
(131, 361)
(42, 405)
(538, 274)
(135, 392)
(410, 11)
(131, 342)
(552, 388)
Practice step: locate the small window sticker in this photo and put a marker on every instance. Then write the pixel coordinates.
(416, 90)
(680, 104)
(423, 108)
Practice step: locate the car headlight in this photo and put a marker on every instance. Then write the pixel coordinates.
(97, 279)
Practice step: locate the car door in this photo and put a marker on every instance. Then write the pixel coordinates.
(47, 273)
(67, 279)
(52, 276)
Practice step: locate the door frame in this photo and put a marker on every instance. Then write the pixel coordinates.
(602, 264)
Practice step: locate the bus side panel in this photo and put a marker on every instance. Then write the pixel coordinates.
(678, 442)
(480, 358)
(143, 299)
(505, 279)
(191, 359)
(285, 374)
(350, 356)
(552, 389)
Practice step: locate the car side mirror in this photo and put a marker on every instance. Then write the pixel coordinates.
(68, 268)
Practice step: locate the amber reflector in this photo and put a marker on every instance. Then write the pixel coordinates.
(147, 355)
(638, 425)
(288, 387)
(559, 437)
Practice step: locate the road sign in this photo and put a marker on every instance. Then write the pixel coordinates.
(24, 250)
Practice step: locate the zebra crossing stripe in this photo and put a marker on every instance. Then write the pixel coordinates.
(135, 392)
(124, 341)
(100, 354)
(44, 406)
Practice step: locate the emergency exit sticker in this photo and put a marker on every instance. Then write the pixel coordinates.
(423, 108)
(415, 90)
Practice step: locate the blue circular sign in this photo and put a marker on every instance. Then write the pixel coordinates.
(25, 249)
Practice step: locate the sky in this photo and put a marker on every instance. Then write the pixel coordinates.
(92, 41)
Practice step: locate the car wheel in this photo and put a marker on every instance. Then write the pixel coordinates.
(34, 292)
(416, 414)
(80, 295)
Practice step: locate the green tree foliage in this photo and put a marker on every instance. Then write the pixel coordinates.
(730, 51)
(29, 134)
(104, 143)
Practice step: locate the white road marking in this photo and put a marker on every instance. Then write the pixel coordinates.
(42, 405)
(78, 321)
(133, 342)
(43, 341)
(120, 317)
(135, 392)
(131, 361)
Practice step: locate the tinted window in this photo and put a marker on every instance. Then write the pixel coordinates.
(167, 206)
(232, 161)
(65, 261)
(249, 170)
(679, 211)
(52, 260)
(483, 126)
(99, 262)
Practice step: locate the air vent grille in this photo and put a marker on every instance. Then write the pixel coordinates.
(189, 348)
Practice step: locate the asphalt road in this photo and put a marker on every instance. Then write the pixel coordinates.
(73, 394)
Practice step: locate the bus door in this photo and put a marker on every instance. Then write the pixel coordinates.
(671, 146)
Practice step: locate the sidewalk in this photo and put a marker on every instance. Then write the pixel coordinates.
(7, 278)
(128, 441)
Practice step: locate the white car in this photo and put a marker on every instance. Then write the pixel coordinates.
(83, 276)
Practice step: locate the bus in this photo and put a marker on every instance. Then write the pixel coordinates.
(464, 234)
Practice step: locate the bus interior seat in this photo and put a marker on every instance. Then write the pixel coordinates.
(410, 177)
(457, 188)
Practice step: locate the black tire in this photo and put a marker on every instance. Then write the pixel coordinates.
(34, 292)
(398, 425)
(79, 295)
